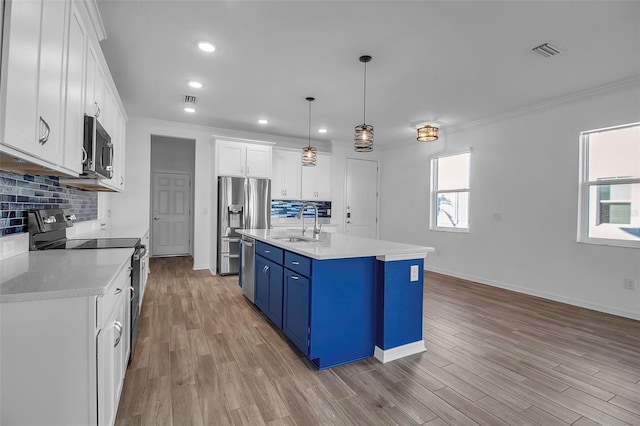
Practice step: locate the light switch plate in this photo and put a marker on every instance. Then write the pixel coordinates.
(414, 272)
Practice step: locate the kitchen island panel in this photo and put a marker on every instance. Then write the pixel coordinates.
(342, 310)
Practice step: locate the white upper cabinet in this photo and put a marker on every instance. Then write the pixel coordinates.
(52, 74)
(285, 184)
(242, 159)
(258, 161)
(32, 78)
(76, 48)
(316, 181)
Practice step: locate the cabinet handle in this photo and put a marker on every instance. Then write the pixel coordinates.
(118, 327)
(98, 110)
(118, 291)
(121, 180)
(265, 270)
(47, 130)
(293, 277)
(295, 262)
(267, 251)
(133, 291)
(85, 157)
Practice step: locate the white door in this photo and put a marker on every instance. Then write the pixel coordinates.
(362, 198)
(171, 230)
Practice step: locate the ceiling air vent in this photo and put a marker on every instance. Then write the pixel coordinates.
(546, 50)
(188, 99)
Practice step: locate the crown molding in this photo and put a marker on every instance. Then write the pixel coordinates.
(546, 104)
(231, 134)
(96, 19)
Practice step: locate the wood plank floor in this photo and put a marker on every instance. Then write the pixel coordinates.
(207, 356)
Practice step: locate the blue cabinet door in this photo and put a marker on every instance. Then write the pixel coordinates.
(274, 311)
(268, 291)
(296, 309)
(262, 284)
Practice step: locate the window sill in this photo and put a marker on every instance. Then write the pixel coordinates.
(456, 230)
(612, 243)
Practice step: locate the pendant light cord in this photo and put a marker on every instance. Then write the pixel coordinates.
(309, 124)
(364, 104)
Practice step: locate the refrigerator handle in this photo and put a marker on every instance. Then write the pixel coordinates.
(245, 206)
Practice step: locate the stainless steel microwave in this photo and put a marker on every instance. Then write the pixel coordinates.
(97, 150)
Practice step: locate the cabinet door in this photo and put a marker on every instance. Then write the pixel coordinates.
(258, 161)
(268, 291)
(296, 309)
(274, 311)
(74, 101)
(106, 372)
(20, 73)
(34, 83)
(316, 181)
(285, 184)
(122, 130)
(90, 103)
(262, 284)
(51, 80)
(277, 181)
(323, 177)
(231, 159)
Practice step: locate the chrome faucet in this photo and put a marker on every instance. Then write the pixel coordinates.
(300, 215)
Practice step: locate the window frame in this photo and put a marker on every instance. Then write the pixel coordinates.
(433, 218)
(585, 186)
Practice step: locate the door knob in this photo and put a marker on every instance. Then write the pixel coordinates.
(156, 218)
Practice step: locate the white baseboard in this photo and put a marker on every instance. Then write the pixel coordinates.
(550, 296)
(200, 267)
(398, 352)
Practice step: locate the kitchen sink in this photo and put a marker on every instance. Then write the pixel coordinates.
(291, 239)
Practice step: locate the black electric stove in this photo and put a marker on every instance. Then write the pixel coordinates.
(47, 231)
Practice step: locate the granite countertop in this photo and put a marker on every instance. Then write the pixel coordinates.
(57, 274)
(337, 246)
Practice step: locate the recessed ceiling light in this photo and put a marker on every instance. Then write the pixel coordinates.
(189, 109)
(195, 84)
(205, 46)
(322, 130)
(263, 121)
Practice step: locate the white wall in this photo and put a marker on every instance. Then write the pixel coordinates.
(131, 208)
(523, 205)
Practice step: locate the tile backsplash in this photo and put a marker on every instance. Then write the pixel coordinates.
(289, 209)
(21, 193)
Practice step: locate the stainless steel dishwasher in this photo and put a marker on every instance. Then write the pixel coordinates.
(247, 273)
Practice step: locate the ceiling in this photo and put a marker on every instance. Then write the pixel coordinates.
(453, 62)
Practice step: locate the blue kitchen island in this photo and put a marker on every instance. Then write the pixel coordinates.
(341, 298)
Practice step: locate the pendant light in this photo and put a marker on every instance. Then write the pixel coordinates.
(428, 132)
(364, 133)
(309, 152)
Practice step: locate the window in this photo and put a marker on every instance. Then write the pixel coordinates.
(610, 186)
(450, 192)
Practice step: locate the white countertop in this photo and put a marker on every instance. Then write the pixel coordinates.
(56, 274)
(338, 246)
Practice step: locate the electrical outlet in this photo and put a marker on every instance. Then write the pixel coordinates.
(630, 283)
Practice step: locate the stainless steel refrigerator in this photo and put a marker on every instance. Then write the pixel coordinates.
(243, 203)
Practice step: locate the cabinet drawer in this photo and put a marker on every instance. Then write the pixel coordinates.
(269, 252)
(297, 263)
(118, 289)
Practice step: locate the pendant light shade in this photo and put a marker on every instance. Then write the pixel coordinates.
(309, 153)
(428, 133)
(363, 139)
